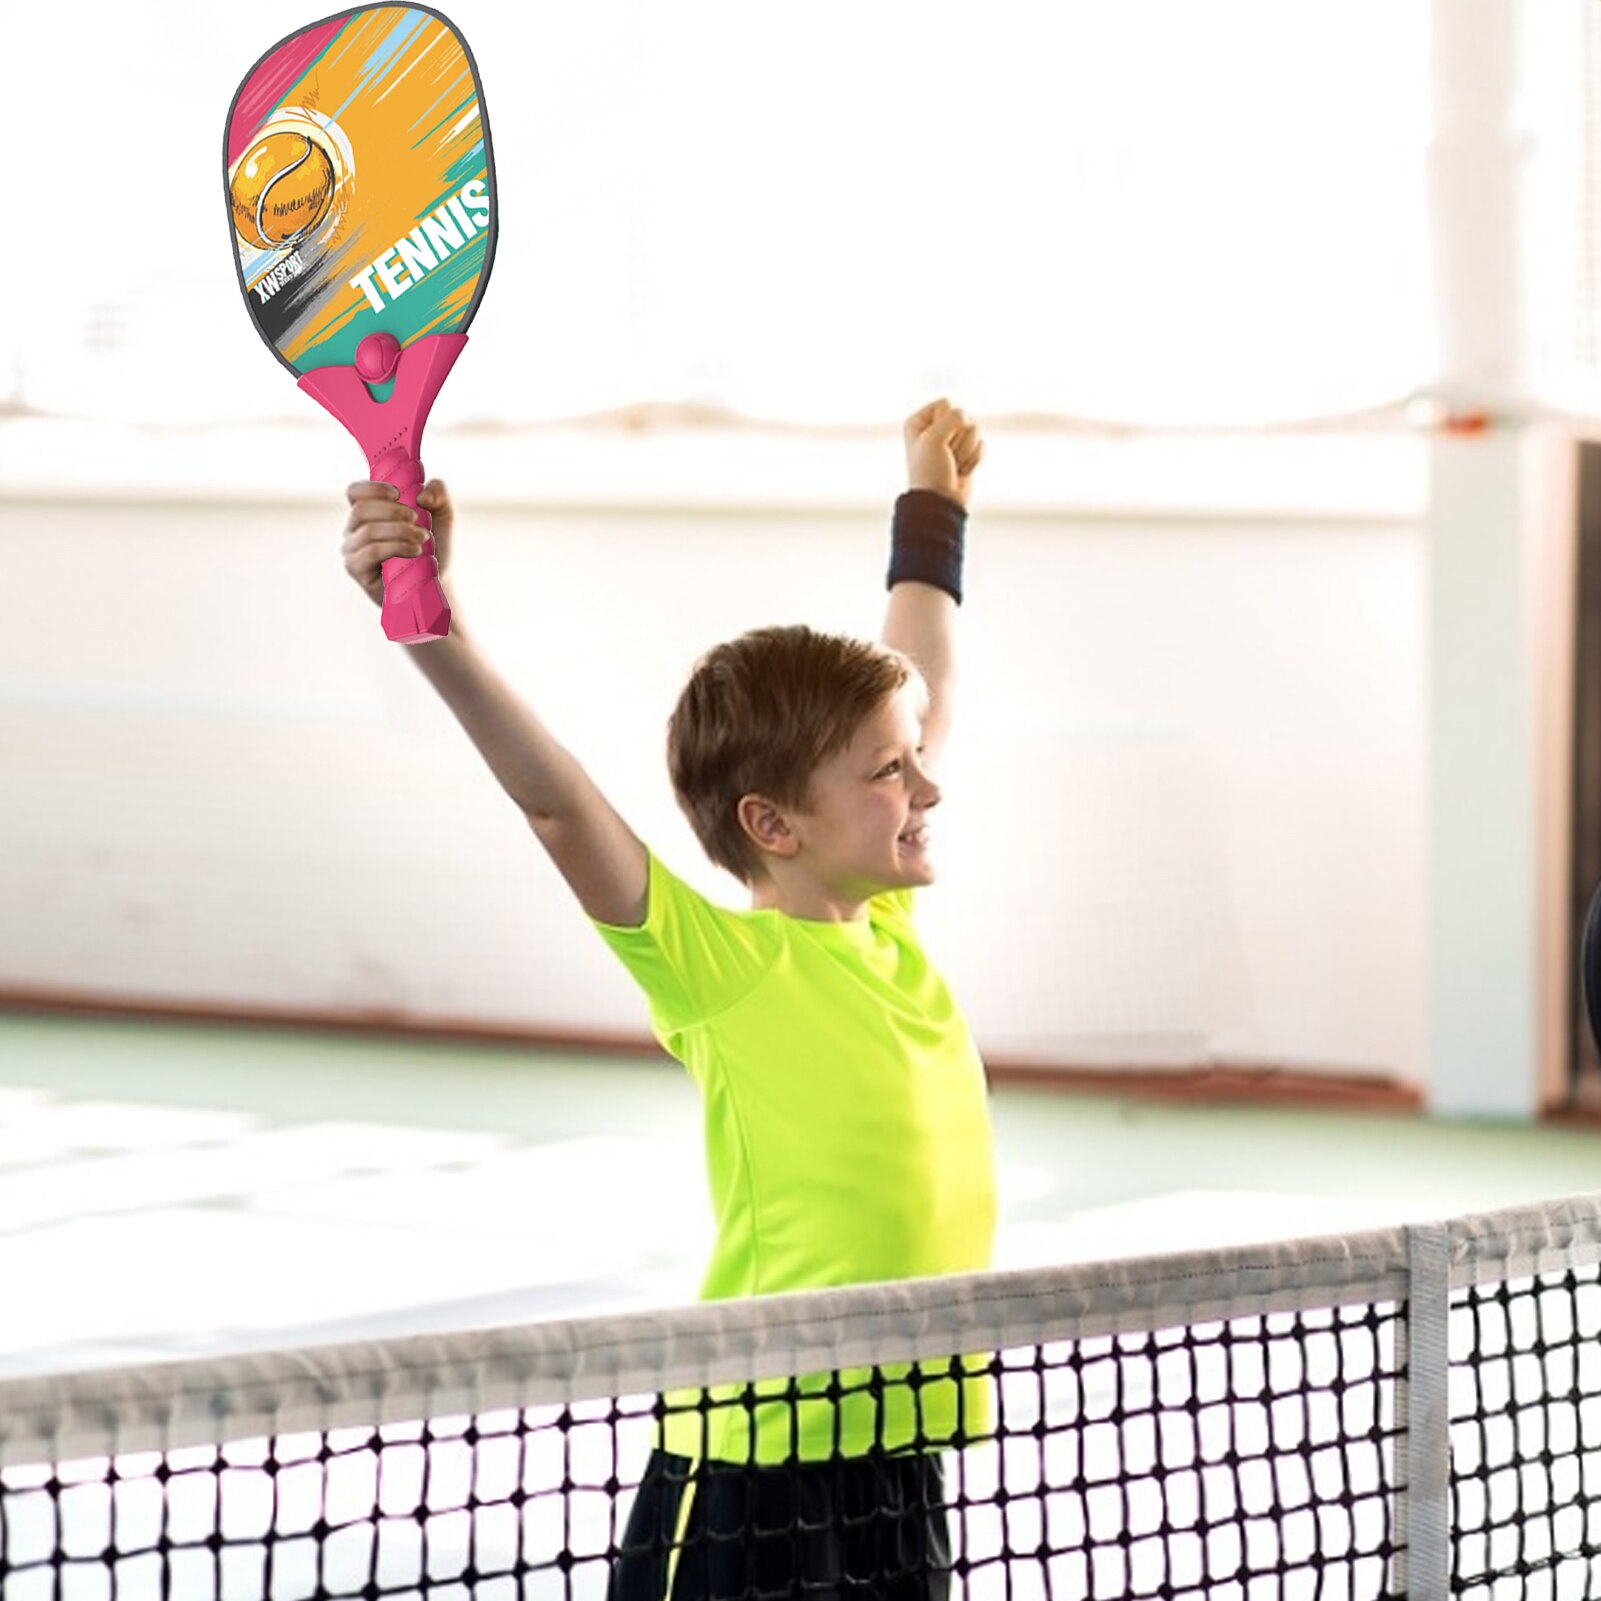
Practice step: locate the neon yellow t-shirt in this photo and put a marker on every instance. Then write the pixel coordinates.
(847, 1140)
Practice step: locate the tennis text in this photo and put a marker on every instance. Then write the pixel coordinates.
(446, 228)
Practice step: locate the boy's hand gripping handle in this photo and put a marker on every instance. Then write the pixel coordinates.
(390, 432)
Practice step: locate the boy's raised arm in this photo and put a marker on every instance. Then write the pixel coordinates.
(943, 447)
(602, 859)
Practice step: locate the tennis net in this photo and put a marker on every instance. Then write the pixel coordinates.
(1407, 1412)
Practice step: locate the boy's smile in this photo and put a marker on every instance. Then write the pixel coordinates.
(864, 828)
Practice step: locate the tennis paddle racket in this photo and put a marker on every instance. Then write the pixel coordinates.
(360, 189)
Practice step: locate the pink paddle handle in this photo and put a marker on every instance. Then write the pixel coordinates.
(390, 432)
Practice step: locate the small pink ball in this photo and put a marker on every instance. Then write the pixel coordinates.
(376, 356)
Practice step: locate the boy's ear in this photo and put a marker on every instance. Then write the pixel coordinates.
(766, 826)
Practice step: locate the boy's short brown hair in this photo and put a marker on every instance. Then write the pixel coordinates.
(758, 715)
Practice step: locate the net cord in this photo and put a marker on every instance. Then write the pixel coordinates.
(166, 1405)
(197, 1401)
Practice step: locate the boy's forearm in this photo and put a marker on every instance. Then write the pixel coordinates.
(927, 530)
(920, 621)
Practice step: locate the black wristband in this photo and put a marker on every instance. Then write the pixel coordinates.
(926, 542)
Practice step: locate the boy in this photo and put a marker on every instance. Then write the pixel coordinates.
(846, 1122)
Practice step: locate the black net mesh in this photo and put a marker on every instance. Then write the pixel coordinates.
(1525, 1388)
(1249, 1457)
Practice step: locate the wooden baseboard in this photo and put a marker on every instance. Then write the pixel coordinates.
(1214, 1083)
(1582, 1108)
(1219, 1083)
(372, 1023)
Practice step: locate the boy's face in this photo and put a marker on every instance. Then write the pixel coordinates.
(864, 828)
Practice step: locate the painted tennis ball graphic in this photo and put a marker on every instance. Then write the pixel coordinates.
(282, 187)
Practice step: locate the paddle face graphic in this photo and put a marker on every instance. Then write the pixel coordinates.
(360, 189)
(360, 185)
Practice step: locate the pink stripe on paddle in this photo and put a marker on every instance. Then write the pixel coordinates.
(273, 79)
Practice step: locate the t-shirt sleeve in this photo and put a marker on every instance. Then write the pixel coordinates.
(691, 957)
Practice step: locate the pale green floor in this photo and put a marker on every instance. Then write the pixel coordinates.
(1098, 1149)
(170, 1188)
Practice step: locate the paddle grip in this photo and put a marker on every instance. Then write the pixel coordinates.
(415, 608)
(390, 432)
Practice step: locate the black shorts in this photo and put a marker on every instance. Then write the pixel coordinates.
(872, 1526)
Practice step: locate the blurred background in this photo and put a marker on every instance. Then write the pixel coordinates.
(1277, 763)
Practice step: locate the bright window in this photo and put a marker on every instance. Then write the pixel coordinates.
(1150, 210)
